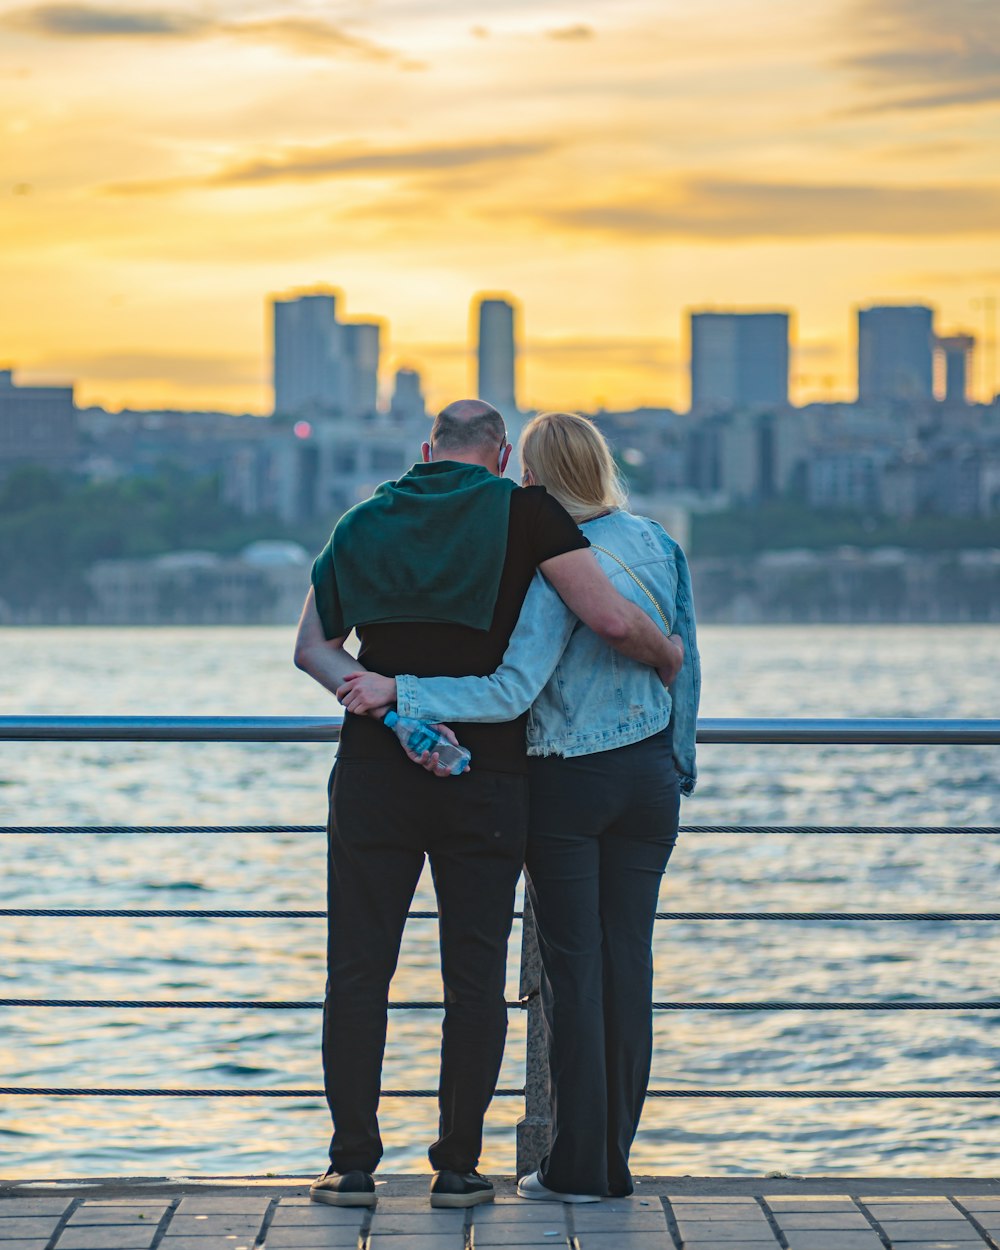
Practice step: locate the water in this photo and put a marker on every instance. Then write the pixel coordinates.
(789, 671)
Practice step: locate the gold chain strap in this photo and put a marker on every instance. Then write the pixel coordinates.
(638, 581)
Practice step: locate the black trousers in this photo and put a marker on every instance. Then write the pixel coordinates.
(602, 828)
(383, 820)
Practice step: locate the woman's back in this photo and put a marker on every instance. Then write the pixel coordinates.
(598, 699)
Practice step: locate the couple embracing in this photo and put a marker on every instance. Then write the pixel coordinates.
(555, 630)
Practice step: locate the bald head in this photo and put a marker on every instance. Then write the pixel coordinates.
(468, 425)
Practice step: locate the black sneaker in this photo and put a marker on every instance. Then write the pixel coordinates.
(344, 1189)
(460, 1189)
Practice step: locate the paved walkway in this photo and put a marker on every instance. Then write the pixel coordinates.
(189, 1218)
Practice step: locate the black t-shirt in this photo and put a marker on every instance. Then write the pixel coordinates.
(538, 529)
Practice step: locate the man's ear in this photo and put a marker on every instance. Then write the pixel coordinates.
(425, 452)
(504, 457)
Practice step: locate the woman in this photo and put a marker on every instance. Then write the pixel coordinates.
(610, 749)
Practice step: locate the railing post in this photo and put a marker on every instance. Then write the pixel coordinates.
(534, 1127)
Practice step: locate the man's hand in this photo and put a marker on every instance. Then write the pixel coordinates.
(668, 672)
(429, 761)
(367, 694)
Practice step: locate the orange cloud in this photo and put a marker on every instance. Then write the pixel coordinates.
(303, 36)
(571, 33)
(299, 164)
(720, 208)
(69, 21)
(922, 54)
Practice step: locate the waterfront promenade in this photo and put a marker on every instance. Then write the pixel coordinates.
(665, 1213)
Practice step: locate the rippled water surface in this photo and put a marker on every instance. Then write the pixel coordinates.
(854, 671)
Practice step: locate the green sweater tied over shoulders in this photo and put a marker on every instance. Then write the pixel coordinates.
(428, 547)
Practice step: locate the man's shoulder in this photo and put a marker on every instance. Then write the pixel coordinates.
(535, 500)
(524, 495)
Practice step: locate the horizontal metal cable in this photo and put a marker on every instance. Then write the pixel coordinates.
(827, 915)
(985, 1004)
(845, 830)
(136, 829)
(798, 830)
(823, 1093)
(203, 913)
(314, 1004)
(45, 1091)
(219, 1004)
(217, 913)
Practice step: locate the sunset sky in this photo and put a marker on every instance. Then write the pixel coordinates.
(166, 168)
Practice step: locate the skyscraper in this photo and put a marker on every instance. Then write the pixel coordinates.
(361, 352)
(956, 350)
(38, 425)
(895, 353)
(407, 405)
(308, 361)
(497, 354)
(322, 365)
(739, 360)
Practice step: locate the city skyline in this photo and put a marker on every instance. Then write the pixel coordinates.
(736, 359)
(612, 166)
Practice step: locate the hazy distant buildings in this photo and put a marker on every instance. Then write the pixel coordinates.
(497, 355)
(307, 356)
(361, 352)
(263, 585)
(408, 406)
(895, 354)
(739, 360)
(956, 351)
(322, 365)
(37, 426)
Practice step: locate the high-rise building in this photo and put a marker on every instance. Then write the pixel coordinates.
(361, 353)
(895, 353)
(407, 405)
(322, 365)
(38, 425)
(739, 360)
(956, 349)
(497, 354)
(308, 355)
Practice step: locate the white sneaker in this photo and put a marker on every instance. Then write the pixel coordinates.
(531, 1187)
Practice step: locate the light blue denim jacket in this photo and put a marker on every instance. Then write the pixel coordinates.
(583, 696)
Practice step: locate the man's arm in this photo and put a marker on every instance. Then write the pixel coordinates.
(324, 659)
(588, 593)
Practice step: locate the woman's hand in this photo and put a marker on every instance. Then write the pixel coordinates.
(668, 672)
(367, 694)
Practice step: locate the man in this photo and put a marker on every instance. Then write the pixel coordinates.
(432, 571)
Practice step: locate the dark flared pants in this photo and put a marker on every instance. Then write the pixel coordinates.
(383, 819)
(600, 834)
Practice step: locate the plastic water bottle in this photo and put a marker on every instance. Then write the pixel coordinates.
(418, 736)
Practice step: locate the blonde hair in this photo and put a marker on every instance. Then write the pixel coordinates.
(570, 457)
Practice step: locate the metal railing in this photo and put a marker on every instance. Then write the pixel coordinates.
(533, 1127)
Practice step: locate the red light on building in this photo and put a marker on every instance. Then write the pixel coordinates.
(302, 429)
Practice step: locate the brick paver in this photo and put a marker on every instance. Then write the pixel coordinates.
(28, 1226)
(308, 1237)
(220, 1220)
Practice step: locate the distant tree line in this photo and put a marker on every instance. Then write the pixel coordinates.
(781, 525)
(52, 528)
